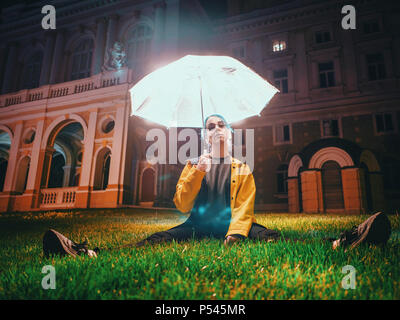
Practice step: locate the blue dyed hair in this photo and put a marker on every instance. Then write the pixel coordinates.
(221, 117)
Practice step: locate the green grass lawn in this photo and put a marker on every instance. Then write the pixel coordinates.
(202, 269)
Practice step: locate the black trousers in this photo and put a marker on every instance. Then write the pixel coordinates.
(188, 230)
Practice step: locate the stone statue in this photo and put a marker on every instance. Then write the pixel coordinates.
(115, 57)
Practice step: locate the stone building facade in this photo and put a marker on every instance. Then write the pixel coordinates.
(328, 142)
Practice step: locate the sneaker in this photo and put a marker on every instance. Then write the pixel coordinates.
(56, 243)
(375, 230)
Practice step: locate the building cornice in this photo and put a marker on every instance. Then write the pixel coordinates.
(280, 14)
(68, 14)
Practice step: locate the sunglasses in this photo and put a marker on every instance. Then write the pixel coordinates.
(212, 126)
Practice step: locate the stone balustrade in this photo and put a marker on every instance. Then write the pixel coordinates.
(58, 197)
(98, 81)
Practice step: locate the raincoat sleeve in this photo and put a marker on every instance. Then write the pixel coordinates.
(243, 206)
(188, 187)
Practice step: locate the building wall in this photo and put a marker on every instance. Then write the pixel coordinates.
(249, 33)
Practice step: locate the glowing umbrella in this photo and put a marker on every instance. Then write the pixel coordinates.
(184, 92)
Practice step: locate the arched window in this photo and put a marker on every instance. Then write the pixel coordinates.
(32, 69)
(148, 185)
(56, 177)
(138, 44)
(5, 143)
(106, 171)
(281, 178)
(82, 60)
(102, 169)
(3, 171)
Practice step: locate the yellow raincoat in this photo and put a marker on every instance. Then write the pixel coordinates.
(243, 191)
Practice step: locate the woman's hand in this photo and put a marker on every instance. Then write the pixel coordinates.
(230, 240)
(204, 162)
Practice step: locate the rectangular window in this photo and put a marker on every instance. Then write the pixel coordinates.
(326, 74)
(281, 80)
(376, 67)
(278, 45)
(384, 123)
(282, 133)
(330, 128)
(371, 26)
(322, 36)
(281, 179)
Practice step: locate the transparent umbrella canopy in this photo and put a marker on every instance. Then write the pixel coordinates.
(184, 92)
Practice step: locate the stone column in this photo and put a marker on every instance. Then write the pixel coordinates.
(57, 58)
(98, 57)
(311, 191)
(111, 31)
(47, 59)
(293, 194)
(159, 26)
(83, 193)
(301, 65)
(352, 195)
(3, 56)
(12, 158)
(67, 175)
(258, 56)
(116, 155)
(34, 168)
(11, 64)
(46, 165)
(171, 30)
(350, 73)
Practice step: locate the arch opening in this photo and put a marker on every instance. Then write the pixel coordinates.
(5, 143)
(332, 186)
(63, 160)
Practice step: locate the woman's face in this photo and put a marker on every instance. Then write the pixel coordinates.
(217, 132)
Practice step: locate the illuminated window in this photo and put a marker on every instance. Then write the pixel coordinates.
(278, 45)
(281, 80)
(326, 74)
(82, 60)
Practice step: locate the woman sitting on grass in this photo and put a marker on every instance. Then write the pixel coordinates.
(219, 192)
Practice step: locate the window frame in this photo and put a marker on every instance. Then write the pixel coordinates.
(324, 31)
(30, 62)
(326, 74)
(275, 135)
(284, 173)
(370, 20)
(376, 65)
(89, 52)
(339, 127)
(281, 79)
(394, 123)
(279, 42)
(133, 43)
